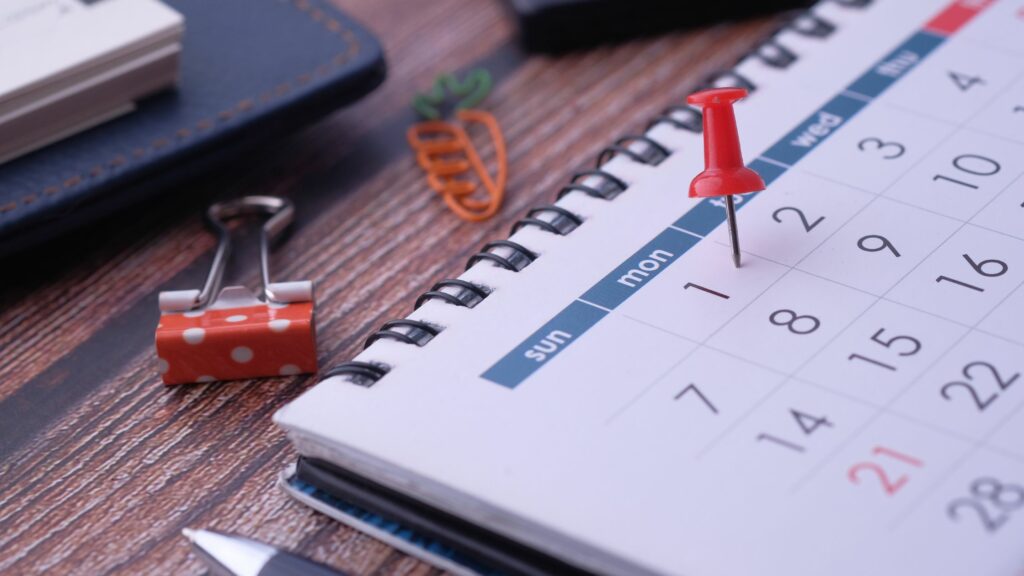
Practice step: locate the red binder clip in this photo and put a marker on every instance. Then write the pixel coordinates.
(214, 334)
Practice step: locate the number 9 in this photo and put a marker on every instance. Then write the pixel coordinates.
(883, 244)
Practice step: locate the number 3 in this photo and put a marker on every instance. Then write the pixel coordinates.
(879, 144)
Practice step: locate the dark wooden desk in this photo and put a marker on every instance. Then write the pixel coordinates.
(101, 466)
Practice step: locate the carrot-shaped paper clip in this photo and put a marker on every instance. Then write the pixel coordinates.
(447, 155)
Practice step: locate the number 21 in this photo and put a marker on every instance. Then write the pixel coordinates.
(890, 486)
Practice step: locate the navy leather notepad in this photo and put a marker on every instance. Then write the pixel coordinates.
(251, 70)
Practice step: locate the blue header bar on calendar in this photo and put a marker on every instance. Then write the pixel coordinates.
(768, 170)
(544, 344)
(641, 268)
(708, 215)
(814, 130)
(896, 64)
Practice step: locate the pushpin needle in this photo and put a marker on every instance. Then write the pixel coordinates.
(734, 237)
(724, 173)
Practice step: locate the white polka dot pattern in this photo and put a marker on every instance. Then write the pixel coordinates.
(194, 335)
(279, 325)
(219, 344)
(241, 354)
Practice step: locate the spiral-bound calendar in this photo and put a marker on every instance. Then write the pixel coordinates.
(606, 390)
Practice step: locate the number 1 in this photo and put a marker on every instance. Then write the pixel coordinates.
(703, 289)
(872, 361)
(883, 451)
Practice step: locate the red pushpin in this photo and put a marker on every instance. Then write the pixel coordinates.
(724, 173)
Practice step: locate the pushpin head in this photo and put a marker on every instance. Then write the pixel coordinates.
(724, 173)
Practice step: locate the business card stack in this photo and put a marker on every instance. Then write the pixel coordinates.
(68, 65)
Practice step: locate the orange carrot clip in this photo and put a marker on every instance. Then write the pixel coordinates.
(446, 154)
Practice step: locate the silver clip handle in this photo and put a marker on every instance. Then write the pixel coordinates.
(282, 213)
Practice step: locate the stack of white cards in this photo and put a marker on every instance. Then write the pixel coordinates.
(68, 65)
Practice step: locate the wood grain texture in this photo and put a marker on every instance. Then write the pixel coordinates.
(102, 466)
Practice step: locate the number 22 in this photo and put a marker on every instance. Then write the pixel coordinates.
(978, 401)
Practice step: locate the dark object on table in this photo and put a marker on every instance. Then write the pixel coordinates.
(237, 556)
(560, 25)
(251, 70)
(473, 542)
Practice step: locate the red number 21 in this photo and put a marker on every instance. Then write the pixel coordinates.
(891, 486)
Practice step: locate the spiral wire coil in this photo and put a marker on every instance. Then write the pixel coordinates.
(637, 147)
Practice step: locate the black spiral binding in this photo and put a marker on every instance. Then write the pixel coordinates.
(639, 148)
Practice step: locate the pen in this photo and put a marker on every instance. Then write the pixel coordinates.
(236, 556)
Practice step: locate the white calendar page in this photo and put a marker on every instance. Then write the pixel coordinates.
(849, 401)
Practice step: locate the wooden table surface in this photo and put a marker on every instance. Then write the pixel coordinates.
(101, 466)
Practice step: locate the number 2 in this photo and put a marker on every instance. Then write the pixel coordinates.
(808, 225)
(889, 486)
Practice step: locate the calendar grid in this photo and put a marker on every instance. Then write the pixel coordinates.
(792, 376)
(959, 463)
(980, 444)
(960, 222)
(866, 89)
(887, 408)
(822, 176)
(699, 343)
(903, 304)
(948, 231)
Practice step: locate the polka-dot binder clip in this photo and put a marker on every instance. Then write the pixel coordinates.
(235, 334)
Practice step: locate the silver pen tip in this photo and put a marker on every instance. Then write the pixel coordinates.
(189, 533)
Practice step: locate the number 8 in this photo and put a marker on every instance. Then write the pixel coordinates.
(793, 319)
(992, 490)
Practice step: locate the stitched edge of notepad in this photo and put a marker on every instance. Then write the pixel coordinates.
(243, 106)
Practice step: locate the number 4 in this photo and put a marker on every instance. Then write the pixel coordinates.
(964, 81)
(809, 423)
